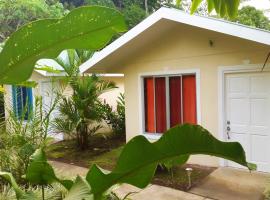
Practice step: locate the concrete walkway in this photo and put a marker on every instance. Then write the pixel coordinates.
(228, 183)
(156, 192)
(68, 170)
(151, 192)
(222, 184)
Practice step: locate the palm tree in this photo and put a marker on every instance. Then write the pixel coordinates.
(81, 112)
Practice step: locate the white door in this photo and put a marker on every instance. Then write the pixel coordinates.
(247, 115)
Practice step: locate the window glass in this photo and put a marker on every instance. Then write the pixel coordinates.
(189, 99)
(175, 100)
(160, 104)
(173, 94)
(22, 101)
(149, 105)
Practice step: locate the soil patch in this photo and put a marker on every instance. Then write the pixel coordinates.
(178, 178)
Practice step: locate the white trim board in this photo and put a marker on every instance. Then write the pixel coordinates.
(162, 73)
(222, 71)
(171, 14)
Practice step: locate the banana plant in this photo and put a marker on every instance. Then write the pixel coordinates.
(90, 27)
(137, 162)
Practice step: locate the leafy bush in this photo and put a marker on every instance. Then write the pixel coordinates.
(53, 192)
(19, 138)
(81, 113)
(116, 118)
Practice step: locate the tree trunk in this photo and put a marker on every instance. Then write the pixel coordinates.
(82, 135)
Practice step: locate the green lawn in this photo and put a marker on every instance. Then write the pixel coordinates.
(105, 154)
(101, 151)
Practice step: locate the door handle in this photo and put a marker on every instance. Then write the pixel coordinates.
(228, 130)
(228, 133)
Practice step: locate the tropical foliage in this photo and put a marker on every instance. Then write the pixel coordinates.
(81, 113)
(135, 11)
(115, 118)
(15, 13)
(52, 192)
(252, 17)
(222, 8)
(137, 162)
(20, 56)
(94, 25)
(19, 138)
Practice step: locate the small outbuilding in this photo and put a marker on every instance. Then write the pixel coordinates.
(180, 68)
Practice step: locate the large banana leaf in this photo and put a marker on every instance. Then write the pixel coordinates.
(41, 172)
(83, 28)
(139, 158)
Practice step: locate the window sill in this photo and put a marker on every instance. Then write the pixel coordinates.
(152, 136)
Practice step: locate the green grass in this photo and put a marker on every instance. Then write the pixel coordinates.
(106, 160)
(101, 151)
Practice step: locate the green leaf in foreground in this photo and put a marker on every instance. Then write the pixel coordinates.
(83, 28)
(39, 170)
(139, 158)
(194, 6)
(48, 69)
(9, 178)
(79, 190)
(228, 8)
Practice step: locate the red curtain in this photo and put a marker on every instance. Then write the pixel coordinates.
(175, 100)
(189, 99)
(160, 97)
(149, 105)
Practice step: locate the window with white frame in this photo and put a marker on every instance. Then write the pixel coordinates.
(168, 101)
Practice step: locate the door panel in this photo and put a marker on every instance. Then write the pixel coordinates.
(247, 108)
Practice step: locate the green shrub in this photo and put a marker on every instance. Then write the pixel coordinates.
(53, 192)
(81, 113)
(19, 138)
(116, 119)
